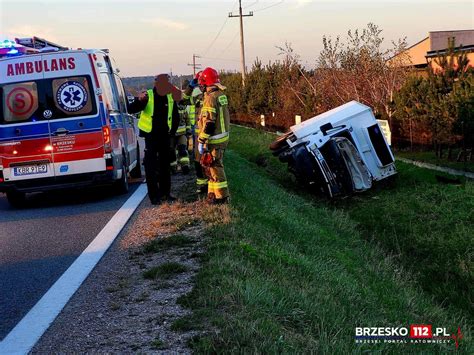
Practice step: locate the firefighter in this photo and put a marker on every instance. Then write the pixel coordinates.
(159, 120)
(193, 98)
(179, 149)
(214, 122)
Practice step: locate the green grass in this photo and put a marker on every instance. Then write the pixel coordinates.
(430, 157)
(293, 273)
(158, 344)
(183, 324)
(425, 225)
(174, 241)
(165, 270)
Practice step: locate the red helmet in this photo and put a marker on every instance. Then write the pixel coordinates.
(208, 77)
(198, 75)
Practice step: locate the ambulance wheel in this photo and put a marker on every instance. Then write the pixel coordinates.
(136, 172)
(122, 183)
(16, 199)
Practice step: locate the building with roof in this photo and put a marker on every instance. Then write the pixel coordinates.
(426, 51)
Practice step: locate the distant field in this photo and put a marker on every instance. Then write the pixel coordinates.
(291, 272)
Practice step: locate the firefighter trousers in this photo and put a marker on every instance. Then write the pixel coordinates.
(179, 153)
(215, 173)
(201, 178)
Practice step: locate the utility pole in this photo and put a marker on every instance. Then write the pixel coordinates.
(195, 65)
(242, 47)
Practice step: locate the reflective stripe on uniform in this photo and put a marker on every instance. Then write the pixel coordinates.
(219, 138)
(173, 163)
(218, 185)
(181, 130)
(222, 102)
(204, 135)
(170, 109)
(221, 116)
(201, 182)
(208, 109)
(183, 160)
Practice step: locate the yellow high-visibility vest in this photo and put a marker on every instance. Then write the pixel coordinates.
(192, 114)
(145, 123)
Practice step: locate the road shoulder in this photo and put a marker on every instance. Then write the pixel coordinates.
(129, 302)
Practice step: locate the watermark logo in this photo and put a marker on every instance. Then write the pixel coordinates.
(413, 334)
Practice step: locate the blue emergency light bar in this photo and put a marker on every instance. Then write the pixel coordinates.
(10, 48)
(7, 44)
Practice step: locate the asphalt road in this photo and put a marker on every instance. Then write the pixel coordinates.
(38, 243)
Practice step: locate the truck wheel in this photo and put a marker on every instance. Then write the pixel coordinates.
(122, 184)
(136, 172)
(16, 199)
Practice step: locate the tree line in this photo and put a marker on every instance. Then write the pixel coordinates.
(433, 108)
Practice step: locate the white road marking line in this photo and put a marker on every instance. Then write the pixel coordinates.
(34, 324)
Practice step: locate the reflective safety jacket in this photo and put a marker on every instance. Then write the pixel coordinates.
(192, 102)
(145, 123)
(192, 113)
(214, 120)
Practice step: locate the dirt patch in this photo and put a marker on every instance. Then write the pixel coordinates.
(128, 303)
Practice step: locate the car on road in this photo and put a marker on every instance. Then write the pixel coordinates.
(64, 123)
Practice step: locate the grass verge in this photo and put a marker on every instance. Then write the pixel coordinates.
(290, 273)
(430, 157)
(174, 241)
(165, 270)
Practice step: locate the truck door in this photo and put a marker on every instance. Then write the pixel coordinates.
(25, 139)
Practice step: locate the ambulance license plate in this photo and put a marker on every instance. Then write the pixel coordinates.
(30, 170)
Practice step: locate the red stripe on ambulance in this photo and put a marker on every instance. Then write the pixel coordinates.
(25, 151)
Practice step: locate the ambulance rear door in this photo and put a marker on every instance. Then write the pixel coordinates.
(77, 116)
(25, 137)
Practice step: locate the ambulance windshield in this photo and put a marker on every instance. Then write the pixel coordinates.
(46, 99)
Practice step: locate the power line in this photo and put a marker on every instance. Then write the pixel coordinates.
(252, 4)
(216, 37)
(218, 33)
(230, 43)
(224, 59)
(270, 6)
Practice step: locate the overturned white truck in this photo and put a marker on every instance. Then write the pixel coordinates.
(338, 152)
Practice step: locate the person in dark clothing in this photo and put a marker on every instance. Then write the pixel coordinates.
(159, 120)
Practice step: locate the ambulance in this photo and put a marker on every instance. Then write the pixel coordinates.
(63, 122)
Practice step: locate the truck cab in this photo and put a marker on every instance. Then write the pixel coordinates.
(339, 152)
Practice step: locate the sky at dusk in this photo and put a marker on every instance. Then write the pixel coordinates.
(147, 37)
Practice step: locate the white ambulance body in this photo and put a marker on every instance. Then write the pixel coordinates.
(64, 123)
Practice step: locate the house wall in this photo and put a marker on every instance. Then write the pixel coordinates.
(439, 39)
